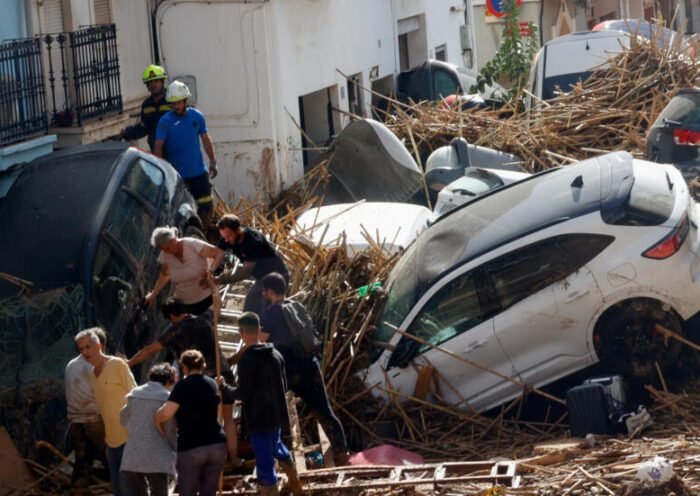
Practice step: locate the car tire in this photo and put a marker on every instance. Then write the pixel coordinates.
(626, 342)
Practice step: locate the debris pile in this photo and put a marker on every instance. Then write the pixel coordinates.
(612, 110)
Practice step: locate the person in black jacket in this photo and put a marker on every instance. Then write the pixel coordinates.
(261, 388)
(304, 374)
(259, 256)
(152, 107)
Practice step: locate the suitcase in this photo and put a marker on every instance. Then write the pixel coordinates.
(615, 389)
(589, 410)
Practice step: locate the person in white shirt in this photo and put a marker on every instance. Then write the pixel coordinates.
(184, 262)
(86, 433)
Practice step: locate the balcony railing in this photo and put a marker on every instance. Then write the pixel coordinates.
(61, 79)
(22, 95)
(84, 76)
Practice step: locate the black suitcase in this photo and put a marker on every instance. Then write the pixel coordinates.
(589, 411)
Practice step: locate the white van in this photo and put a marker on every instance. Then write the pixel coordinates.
(564, 61)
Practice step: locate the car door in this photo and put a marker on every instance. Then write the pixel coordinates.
(455, 316)
(547, 299)
(123, 257)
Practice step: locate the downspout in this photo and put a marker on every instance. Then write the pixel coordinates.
(154, 31)
(541, 20)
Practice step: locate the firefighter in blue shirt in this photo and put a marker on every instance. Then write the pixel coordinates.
(178, 135)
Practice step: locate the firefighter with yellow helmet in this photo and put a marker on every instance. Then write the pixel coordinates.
(178, 137)
(152, 108)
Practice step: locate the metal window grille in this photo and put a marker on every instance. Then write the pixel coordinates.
(83, 74)
(22, 92)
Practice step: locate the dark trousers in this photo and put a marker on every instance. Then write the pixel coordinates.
(120, 484)
(268, 447)
(198, 469)
(308, 384)
(88, 442)
(143, 484)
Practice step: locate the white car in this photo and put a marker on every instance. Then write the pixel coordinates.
(476, 181)
(391, 225)
(542, 278)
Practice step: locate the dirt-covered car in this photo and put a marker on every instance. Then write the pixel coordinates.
(75, 227)
(542, 278)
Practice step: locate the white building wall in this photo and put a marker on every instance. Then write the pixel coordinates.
(252, 62)
(133, 46)
(442, 23)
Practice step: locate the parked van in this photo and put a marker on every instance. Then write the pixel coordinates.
(568, 60)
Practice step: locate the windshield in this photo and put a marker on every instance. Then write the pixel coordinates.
(477, 181)
(401, 297)
(553, 85)
(683, 109)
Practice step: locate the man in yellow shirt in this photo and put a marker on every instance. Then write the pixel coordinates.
(112, 380)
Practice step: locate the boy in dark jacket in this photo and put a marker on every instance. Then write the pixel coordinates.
(261, 387)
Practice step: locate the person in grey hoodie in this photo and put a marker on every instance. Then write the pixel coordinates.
(149, 457)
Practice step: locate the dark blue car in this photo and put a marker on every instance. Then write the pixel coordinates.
(75, 227)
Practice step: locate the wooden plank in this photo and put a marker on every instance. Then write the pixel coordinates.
(328, 460)
(295, 431)
(14, 474)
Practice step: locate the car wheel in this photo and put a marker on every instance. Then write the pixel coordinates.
(626, 340)
(194, 232)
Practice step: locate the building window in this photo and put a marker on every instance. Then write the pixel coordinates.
(441, 52)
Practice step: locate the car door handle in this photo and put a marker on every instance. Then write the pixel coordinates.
(575, 295)
(474, 345)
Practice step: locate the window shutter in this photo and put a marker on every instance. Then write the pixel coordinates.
(102, 12)
(52, 16)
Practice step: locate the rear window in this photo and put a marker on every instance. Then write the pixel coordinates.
(553, 85)
(683, 109)
(650, 201)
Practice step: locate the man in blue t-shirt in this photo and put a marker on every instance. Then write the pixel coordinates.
(178, 134)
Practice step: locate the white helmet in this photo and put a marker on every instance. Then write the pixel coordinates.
(177, 91)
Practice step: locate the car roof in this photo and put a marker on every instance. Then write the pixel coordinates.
(587, 35)
(47, 211)
(516, 210)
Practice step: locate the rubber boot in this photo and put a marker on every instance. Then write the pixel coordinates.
(293, 483)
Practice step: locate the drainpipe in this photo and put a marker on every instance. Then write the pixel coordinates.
(541, 30)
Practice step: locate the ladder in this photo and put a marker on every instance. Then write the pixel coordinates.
(368, 477)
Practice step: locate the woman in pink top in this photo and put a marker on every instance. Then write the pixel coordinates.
(186, 263)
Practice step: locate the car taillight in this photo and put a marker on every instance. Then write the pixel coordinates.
(671, 243)
(685, 137)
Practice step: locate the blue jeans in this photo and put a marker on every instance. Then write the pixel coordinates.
(120, 484)
(268, 446)
(198, 469)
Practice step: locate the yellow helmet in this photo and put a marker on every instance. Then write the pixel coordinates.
(177, 91)
(154, 72)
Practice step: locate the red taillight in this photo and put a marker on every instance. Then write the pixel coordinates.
(671, 243)
(685, 137)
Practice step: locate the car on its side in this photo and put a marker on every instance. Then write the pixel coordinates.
(674, 138)
(75, 252)
(542, 278)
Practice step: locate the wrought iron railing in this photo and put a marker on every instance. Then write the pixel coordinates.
(60, 79)
(22, 93)
(83, 74)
